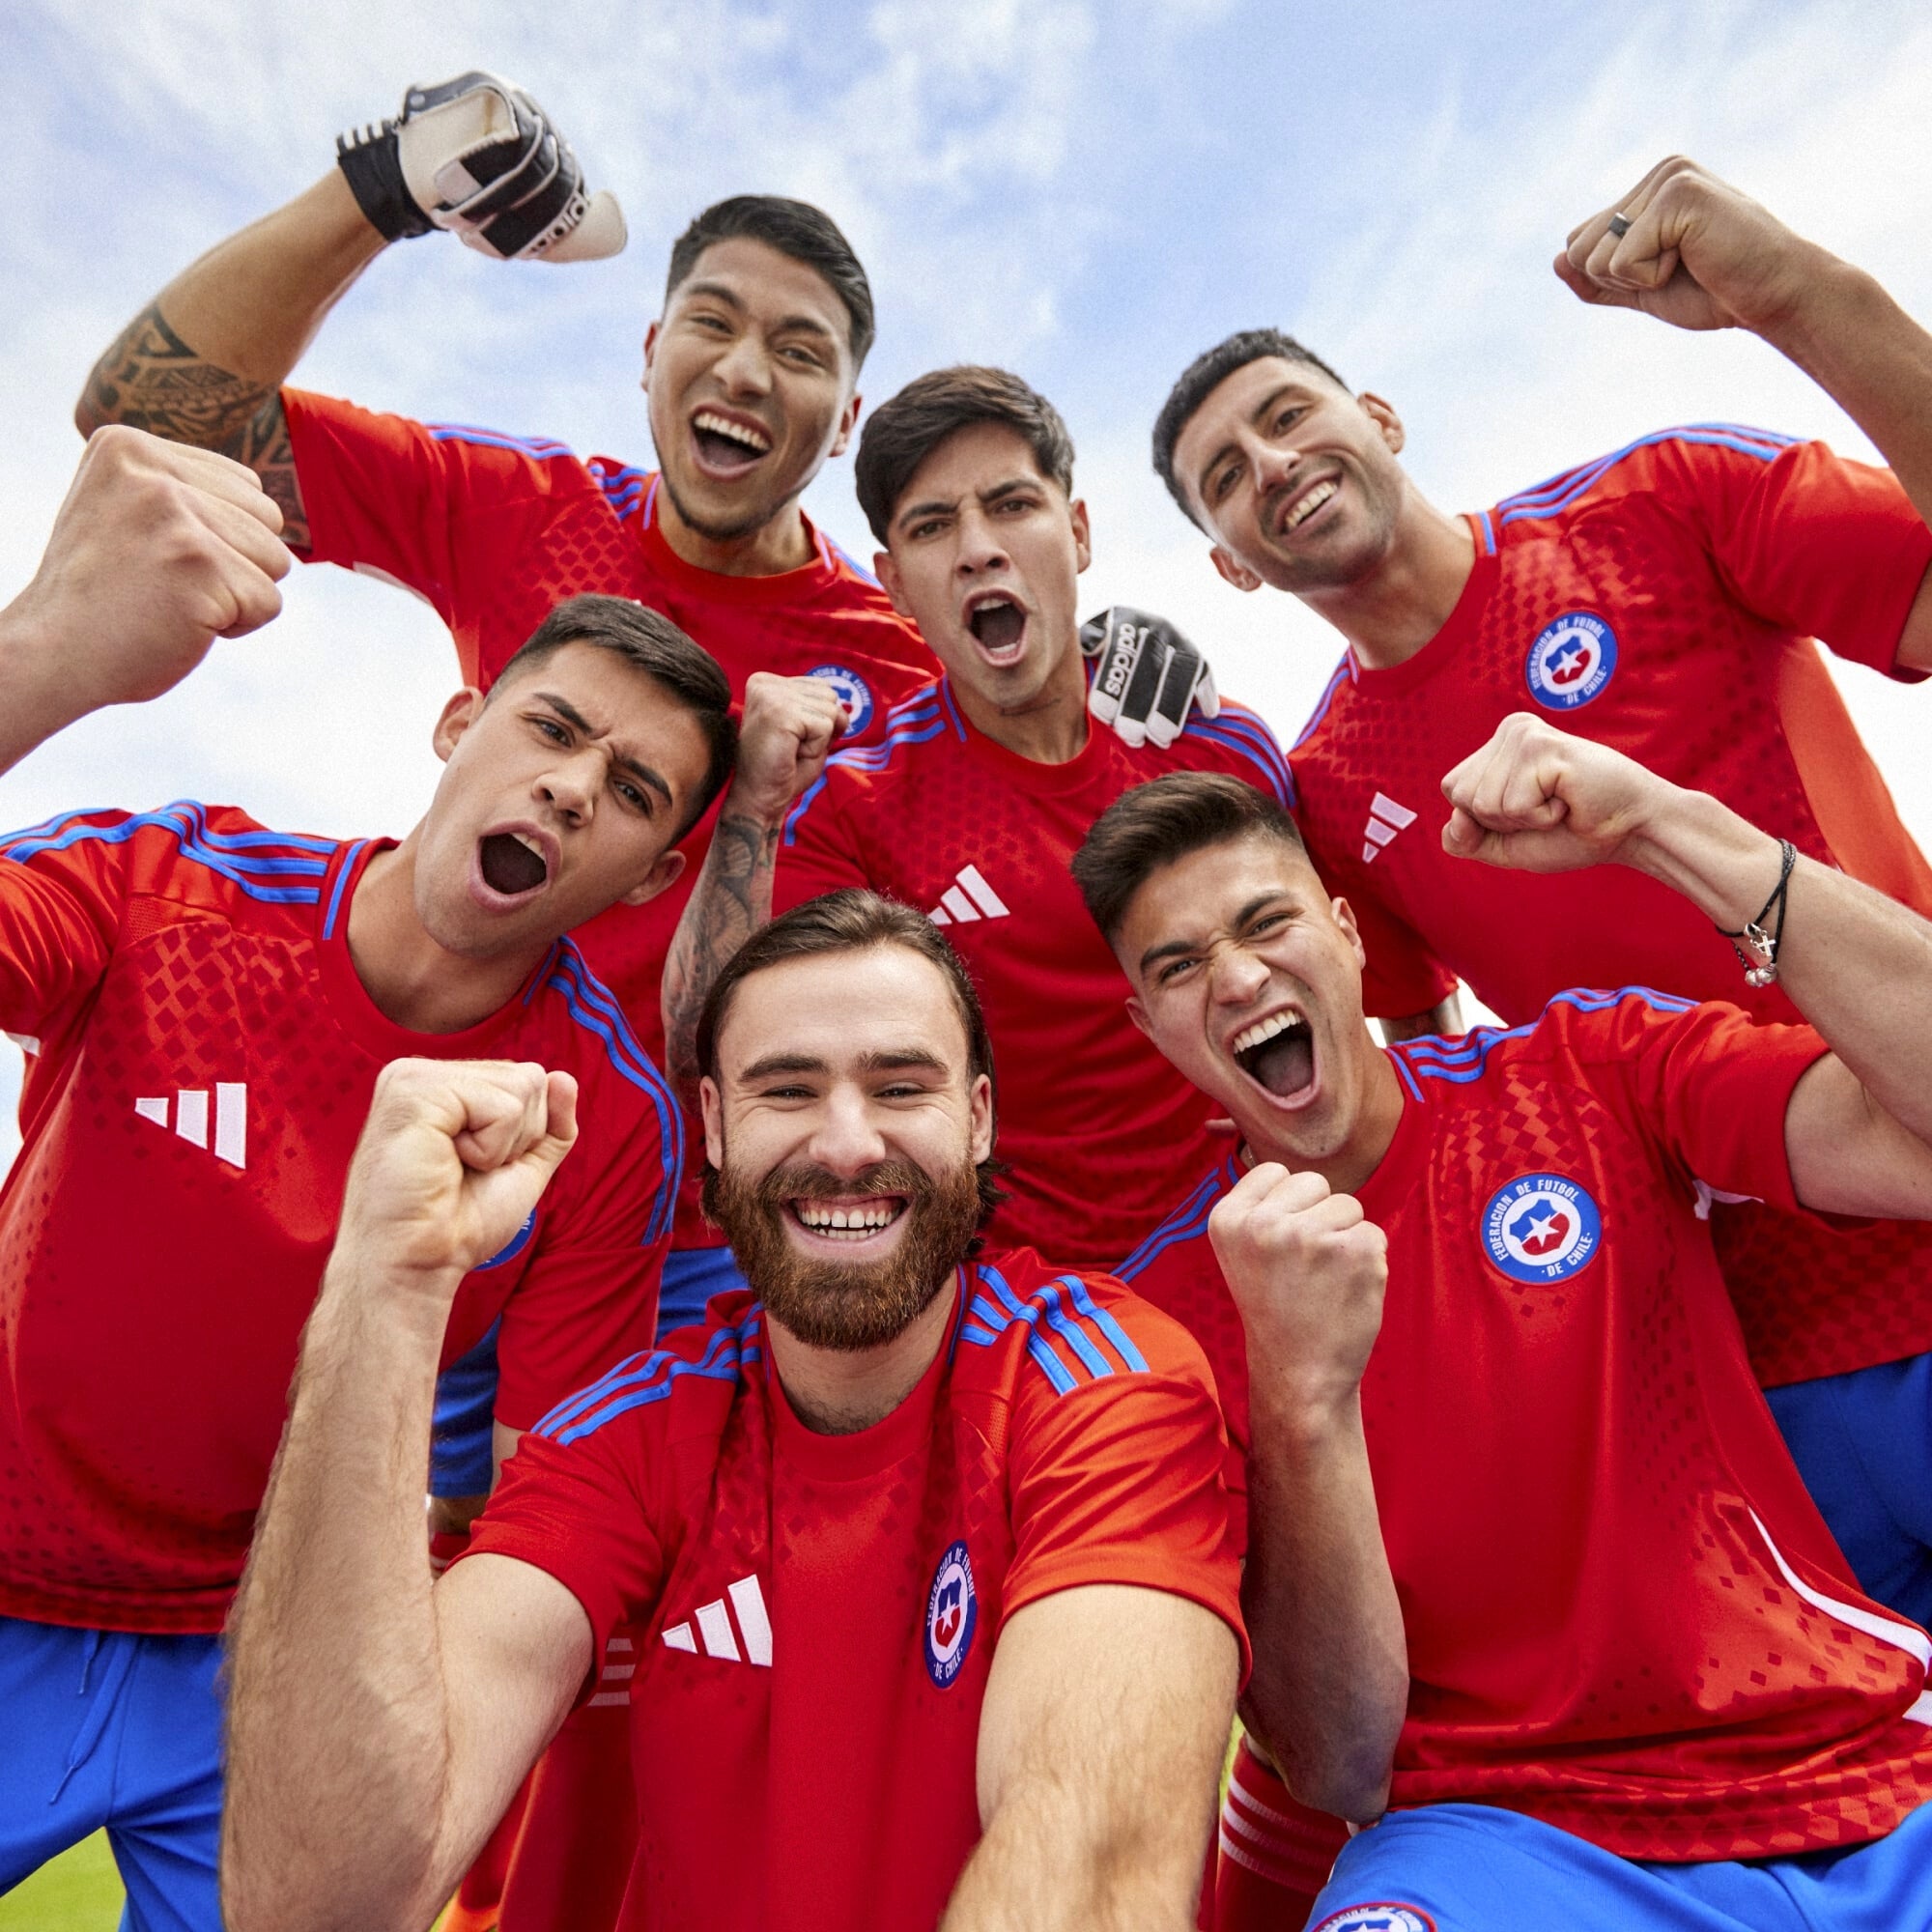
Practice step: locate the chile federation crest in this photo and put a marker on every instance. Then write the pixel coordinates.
(854, 694)
(1542, 1227)
(951, 1610)
(1570, 661)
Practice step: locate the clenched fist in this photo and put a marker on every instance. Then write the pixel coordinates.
(790, 726)
(1307, 1270)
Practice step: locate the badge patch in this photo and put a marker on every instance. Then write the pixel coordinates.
(1570, 661)
(1381, 1917)
(1542, 1227)
(854, 694)
(951, 1610)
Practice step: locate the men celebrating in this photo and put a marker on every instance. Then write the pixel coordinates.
(1635, 1656)
(959, 1520)
(973, 801)
(751, 375)
(1660, 600)
(207, 1004)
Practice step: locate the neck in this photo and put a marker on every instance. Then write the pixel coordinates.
(769, 551)
(1377, 1115)
(840, 1391)
(1388, 615)
(411, 980)
(1050, 728)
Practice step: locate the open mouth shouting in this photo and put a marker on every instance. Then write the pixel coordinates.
(1278, 1055)
(514, 865)
(728, 445)
(998, 622)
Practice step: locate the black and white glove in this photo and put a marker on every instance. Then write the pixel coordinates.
(1146, 676)
(478, 156)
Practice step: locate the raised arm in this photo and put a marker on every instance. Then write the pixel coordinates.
(1101, 1740)
(1330, 1682)
(377, 1727)
(1698, 254)
(1854, 963)
(155, 554)
(205, 361)
(788, 729)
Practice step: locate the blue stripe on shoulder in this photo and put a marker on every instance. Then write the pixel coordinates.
(1240, 730)
(1185, 1223)
(840, 554)
(650, 1377)
(253, 861)
(541, 447)
(1078, 1322)
(1460, 1061)
(589, 1002)
(346, 867)
(917, 719)
(1344, 670)
(1559, 492)
(623, 488)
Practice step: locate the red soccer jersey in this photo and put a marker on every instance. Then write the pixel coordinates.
(1092, 1119)
(495, 531)
(1624, 1614)
(1660, 600)
(819, 1614)
(201, 1058)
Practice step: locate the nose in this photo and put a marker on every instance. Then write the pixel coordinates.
(1236, 975)
(1273, 464)
(981, 548)
(845, 1138)
(569, 787)
(745, 369)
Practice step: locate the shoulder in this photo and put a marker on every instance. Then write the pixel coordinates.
(1334, 696)
(1238, 741)
(599, 1042)
(1667, 463)
(1179, 1241)
(217, 848)
(1044, 1334)
(927, 718)
(686, 1385)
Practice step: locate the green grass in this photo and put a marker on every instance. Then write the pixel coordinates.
(79, 1891)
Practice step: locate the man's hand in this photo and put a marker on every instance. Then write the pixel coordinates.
(1697, 254)
(1536, 800)
(478, 156)
(451, 1163)
(157, 551)
(1307, 1270)
(1147, 678)
(790, 726)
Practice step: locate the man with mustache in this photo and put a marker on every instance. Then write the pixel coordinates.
(929, 1550)
(973, 801)
(1530, 1567)
(205, 1005)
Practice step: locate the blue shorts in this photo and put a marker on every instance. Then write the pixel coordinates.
(104, 1728)
(1863, 1443)
(1475, 1869)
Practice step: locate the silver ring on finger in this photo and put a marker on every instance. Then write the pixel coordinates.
(1620, 225)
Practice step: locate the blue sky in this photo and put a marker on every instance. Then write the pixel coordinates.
(1086, 190)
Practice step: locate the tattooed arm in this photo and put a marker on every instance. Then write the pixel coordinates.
(787, 731)
(204, 363)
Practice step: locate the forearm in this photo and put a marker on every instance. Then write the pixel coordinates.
(35, 703)
(1871, 358)
(1856, 964)
(338, 1730)
(1330, 1681)
(730, 901)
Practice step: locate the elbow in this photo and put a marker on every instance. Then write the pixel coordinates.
(88, 414)
(1350, 1780)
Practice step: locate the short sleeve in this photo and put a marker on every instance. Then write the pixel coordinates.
(579, 1507)
(1813, 543)
(60, 902)
(1124, 1480)
(818, 851)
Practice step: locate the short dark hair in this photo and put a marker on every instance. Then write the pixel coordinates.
(855, 919)
(901, 434)
(1204, 376)
(1165, 819)
(650, 643)
(794, 228)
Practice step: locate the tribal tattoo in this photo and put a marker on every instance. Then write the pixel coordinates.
(150, 379)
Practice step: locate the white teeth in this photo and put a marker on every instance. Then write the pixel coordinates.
(1309, 505)
(866, 1220)
(751, 439)
(529, 844)
(1265, 1030)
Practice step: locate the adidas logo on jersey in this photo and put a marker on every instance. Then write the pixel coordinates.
(1385, 819)
(190, 1118)
(749, 1643)
(967, 901)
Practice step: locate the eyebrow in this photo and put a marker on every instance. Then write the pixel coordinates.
(638, 769)
(731, 298)
(937, 505)
(1260, 408)
(885, 1059)
(1174, 949)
